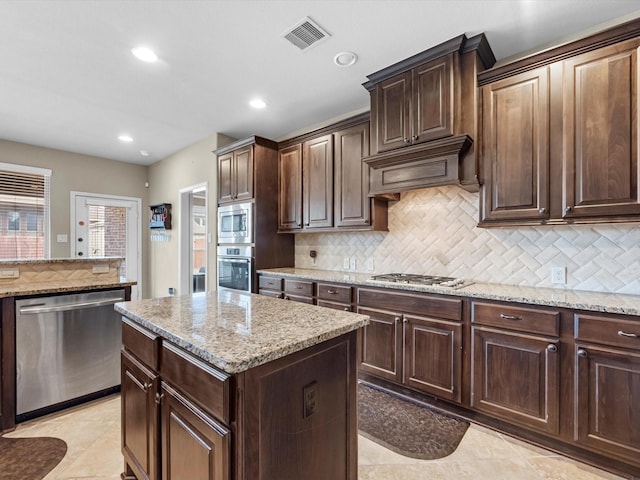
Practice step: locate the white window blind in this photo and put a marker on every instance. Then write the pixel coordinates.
(24, 212)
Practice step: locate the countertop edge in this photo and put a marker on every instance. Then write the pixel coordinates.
(46, 288)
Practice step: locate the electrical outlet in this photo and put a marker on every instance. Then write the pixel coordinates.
(100, 269)
(559, 275)
(9, 273)
(310, 399)
(369, 264)
(345, 263)
(352, 264)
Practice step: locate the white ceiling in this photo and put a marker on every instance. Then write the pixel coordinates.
(68, 80)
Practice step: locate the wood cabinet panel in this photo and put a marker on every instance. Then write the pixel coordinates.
(600, 129)
(298, 287)
(516, 377)
(334, 293)
(317, 182)
(381, 345)
(433, 356)
(140, 433)
(225, 178)
(532, 320)
(345, 307)
(194, 445)
(420, 304)
(352, 206)
(243, 159)
(290, 188)
(432, 90)
(614, 331)
(607, 388)
(271, 283)
(516, 148)
(141, 343)
(393, 105)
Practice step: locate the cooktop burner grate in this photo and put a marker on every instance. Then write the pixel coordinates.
(416, 279)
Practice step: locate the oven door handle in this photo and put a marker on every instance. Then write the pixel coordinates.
(234, 260)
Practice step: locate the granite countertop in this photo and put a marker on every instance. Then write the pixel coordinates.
(60, 287)
(234, 331)
(552, 297)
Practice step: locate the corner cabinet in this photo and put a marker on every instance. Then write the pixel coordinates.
(560, 134)
(323, 183)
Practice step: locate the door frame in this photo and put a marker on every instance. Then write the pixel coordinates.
(185, 278)
(114, 199)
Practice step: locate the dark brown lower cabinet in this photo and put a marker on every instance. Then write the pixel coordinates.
(194, 445)
(381, 345)
(607, 399)
(516, 377)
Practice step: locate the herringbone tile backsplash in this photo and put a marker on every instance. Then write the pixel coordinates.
(434, 231)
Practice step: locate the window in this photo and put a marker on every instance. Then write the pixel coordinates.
(24, 212)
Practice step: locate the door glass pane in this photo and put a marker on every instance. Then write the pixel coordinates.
(108, 233)
(198, 241)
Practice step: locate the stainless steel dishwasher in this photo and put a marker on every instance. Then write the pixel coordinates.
(67, 350)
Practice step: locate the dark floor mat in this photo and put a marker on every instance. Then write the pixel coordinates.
(405, 427)
(29, 458)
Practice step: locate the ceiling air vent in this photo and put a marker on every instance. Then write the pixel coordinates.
(305, 34)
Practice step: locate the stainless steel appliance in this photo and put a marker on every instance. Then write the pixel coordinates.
(235, 223)
(235, 267)
(67, 350)
(415, 279)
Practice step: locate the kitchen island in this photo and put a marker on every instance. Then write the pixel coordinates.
(237, 386)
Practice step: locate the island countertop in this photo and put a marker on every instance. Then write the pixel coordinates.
(234, 331)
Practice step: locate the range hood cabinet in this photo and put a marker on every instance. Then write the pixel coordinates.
(424, 118)
(439, 162)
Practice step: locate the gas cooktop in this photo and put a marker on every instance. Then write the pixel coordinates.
(415, 279)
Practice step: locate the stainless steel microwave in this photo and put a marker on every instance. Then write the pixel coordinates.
(235, 223)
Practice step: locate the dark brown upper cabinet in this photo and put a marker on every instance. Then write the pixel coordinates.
(424, 118)
(560, 134)
(324, 184)
(235, 175)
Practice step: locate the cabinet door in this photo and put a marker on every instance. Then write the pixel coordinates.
(516, 377)
(433, 356)
(391, 115)
(516, 148)
(317, 183)
(140, 433)
(243, 160)
(194, 445)
(226, 191)
(381, 347)
(290, 188)
(432, 101)
(600, 132)
(352, 203)
(607, 407)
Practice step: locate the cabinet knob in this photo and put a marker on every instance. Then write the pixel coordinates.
(630, 335)
(145, 387)
(397, 319)
(568, 209)
(582, 352)
(406, 140)
(542, 211)
(159, 397)
(286, 297)
(552, 348)
(347, 309)
(414, 138)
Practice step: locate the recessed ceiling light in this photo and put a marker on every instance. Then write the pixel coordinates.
(125, 138)
(145, 54)
(345, 59)
(257, 103)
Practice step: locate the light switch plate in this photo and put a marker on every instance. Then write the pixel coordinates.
(62, 238)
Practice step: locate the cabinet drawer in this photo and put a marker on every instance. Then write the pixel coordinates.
(543, 322)
(296, 298)
(420, 304)
(140, 342)
(334, 293)
(298, 287)
(618, 332)
(203, 383)
(270, 293)
(345, 307)
(270, 283)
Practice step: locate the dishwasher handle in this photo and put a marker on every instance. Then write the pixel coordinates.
(44, 308)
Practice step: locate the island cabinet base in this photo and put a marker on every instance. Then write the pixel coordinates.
(291, 418)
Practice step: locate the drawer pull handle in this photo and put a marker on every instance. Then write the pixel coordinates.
(298, 287)
(630, 335)
(510, 317)
(332, 292)
(552, 348)
(582, 353)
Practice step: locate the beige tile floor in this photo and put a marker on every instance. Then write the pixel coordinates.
(92, 433)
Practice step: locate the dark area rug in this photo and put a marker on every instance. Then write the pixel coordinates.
(29, 458)
(405, 427)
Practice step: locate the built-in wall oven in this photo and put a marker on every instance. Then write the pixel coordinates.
(235, 223)
(235, 267)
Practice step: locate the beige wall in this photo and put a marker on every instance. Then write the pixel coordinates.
(83, 173)
(193, 165)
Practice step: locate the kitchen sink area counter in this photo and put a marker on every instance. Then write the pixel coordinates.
(245, 386)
